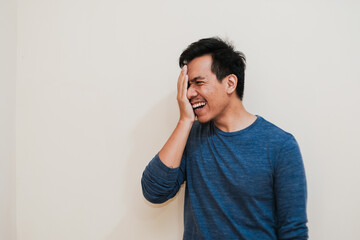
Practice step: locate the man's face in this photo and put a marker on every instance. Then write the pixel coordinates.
(206, 93)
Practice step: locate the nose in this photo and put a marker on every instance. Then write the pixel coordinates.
(191, 92)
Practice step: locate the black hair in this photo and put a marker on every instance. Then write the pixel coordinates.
(225, 60)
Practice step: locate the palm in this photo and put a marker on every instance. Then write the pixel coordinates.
(186, 110)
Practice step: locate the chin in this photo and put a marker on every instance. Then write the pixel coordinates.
(203, 119)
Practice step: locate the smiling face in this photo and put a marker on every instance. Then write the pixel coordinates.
(206, 93)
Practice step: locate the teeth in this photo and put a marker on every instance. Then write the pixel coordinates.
(198, 104)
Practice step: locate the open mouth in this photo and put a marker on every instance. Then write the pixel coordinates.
(198, 106)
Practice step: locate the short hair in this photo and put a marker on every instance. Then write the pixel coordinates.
(225, 60)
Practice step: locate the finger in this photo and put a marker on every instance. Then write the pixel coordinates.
(180, 77)
(181, 80)
(185, 84)
(184, 79)
(178, 83)
(185, 69)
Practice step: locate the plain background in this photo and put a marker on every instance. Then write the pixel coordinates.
(87, 97)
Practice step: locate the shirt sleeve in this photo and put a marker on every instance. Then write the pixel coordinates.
(159, 182)
(290, 192)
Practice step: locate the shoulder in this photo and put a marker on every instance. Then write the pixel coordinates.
(273, 132)
(276, 138)
(283, 145)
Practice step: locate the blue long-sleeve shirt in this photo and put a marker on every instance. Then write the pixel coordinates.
(248, 184)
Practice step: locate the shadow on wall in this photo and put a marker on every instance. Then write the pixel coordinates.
(144, 220)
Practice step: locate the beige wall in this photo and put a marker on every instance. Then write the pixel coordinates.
(96, 84)
(7, 119)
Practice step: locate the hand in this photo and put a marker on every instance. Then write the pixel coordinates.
(186, 110)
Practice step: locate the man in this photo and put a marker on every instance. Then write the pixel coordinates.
(244, 176)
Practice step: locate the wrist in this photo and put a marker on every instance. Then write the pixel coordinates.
(186, 121)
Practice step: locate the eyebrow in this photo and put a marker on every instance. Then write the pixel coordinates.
(196, 78)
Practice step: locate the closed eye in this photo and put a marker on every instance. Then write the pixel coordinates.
(197, 83)
(197, 80)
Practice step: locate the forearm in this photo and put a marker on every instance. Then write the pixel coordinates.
(160, 183)
(291, 193)
(173, 149)
(164, 174)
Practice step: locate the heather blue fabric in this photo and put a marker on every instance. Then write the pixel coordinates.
(248, 184)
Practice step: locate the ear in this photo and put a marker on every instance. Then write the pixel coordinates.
(231, 83)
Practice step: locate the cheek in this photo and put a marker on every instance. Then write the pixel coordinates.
(208, 92)
(218, 100)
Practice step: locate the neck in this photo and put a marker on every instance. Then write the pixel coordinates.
(235, 117)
